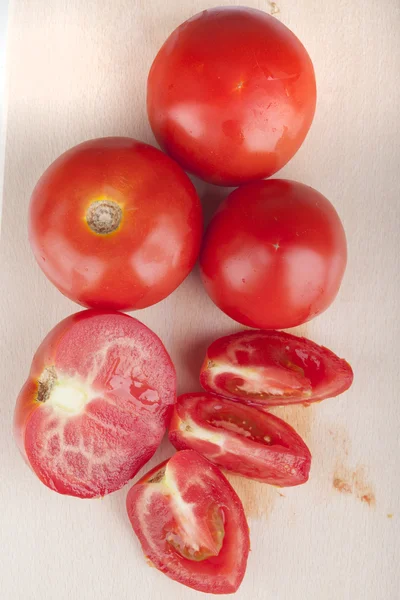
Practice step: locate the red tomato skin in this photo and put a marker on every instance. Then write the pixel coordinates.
(150, 253)
(231, 95)
(206, 486)
(237, 439)
(274, 254)
(139, 426)
(298, 370)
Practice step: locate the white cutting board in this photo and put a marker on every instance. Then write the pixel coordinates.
(76, 70)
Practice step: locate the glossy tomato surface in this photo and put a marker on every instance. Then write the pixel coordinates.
(274, 254)
(273, 368)
(191, 524)
(96, 403)
(115, 223)
(240, 438)
(231, 95)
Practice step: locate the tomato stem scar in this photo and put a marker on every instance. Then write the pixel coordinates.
(46, 381)
(104, 216)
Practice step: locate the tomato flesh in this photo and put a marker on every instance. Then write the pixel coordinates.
(231, 95)
(241, 439)
(273, 368)
(96, 403)
(191, 523)
(274, 254)
(115, 223)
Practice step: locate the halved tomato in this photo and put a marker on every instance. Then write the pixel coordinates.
(241, 439)
(96, 403)
(273, 368)
(191, 523)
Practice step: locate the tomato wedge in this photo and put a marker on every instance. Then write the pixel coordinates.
(96, 403)
(273, 368)
(191, 523)
(241, 439)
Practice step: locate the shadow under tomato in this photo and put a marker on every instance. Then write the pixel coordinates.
(259, 498)
(211, 199)
(300, 417)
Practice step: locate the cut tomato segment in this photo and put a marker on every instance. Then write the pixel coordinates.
(240, 438)
(96, 404)
(273, 368)
(191, 524)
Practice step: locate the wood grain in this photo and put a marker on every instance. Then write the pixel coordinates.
(77, 70)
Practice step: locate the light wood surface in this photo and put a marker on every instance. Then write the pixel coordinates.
(77, 69)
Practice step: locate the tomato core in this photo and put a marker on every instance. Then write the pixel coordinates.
(67, 394)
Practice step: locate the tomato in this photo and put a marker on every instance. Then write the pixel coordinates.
(240, 438)
(231, 95)
(96, 403)
(273, 368)
(114, 223)
(274, 254)
(191, 523)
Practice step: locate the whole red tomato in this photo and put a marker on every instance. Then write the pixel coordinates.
(115, 223)
(274, 254)
(231, 95)
(96, 403)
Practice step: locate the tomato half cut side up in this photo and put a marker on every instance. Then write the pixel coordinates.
(269, 368)
(191, 523)
(241, 439)
(96, 403)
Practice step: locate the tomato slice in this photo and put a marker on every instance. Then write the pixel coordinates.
(241, 439)
(96, 403)
(273, 368)
(191, 523)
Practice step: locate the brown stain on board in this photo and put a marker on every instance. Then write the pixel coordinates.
(354, 482)
(342, 486)
(351, 481)
(258, 499)
(274, 8)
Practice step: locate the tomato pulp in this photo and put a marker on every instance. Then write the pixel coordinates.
(240, 438)
(115, 223)
(96, 403)
(191, 523)
(273, 368)
(274, 254)
(231, 95)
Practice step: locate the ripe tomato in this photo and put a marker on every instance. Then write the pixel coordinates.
(231, 95)
(115, 223)
(96, 403)
(191, 523)
(273, 368)
(240, 438)
(274, 254)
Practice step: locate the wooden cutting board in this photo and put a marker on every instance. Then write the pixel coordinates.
(76, 70)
